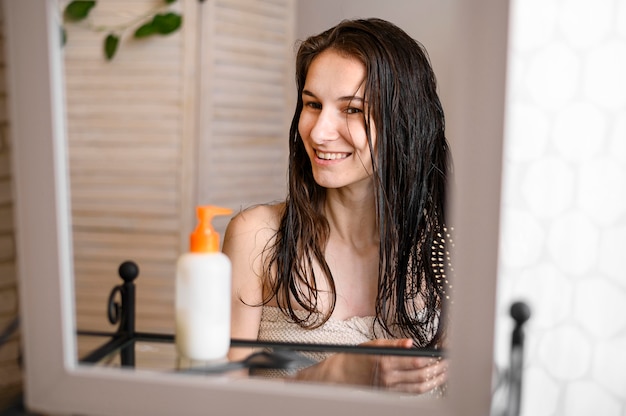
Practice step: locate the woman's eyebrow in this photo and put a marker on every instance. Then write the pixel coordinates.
(351, 98)
(344, 98)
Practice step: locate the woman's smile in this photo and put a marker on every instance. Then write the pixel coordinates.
(331, 156)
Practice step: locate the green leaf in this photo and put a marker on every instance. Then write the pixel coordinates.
(144, 30)
(78, 9)
(170, 1)
(110, 45)
(167, 23)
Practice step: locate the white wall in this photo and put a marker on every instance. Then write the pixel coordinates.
(563, 245)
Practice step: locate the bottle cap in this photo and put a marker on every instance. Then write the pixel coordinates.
(204, 239)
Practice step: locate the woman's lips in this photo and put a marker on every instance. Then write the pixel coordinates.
(331, 155)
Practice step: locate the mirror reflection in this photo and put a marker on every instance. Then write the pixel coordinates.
(356, 252)
(351, 247)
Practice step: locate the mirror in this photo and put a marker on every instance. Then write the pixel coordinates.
(56, 384)
(140, 160)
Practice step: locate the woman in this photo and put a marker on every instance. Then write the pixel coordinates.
(355, 253)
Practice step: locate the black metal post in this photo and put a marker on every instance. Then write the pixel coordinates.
(520, 312)
(128, 271)
(124, 313)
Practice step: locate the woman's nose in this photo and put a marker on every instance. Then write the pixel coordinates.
(325, 127)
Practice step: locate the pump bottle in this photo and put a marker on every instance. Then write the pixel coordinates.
(203, 282)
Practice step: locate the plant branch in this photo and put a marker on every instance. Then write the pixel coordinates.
(122, 27)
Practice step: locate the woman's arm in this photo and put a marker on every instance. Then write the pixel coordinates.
(246, 236)
(395, 373)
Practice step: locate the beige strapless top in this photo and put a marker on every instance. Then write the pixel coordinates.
(277, 328)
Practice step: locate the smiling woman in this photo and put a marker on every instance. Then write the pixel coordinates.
(56, 383)
(362, 233)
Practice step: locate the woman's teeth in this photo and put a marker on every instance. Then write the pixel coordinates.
(331, 156)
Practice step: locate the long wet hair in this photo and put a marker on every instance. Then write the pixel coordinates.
(410, 170)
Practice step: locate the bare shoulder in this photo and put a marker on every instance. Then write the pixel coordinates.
(252, 229)
(248, 235)
(259, 218)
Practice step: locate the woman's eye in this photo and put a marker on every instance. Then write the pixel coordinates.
(314, 105)
(353, 110)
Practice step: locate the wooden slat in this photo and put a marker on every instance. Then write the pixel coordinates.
(129, 127)
(132, 145)
(6, 219)
(10, 370)
(5, 162)
(8, 274)
(155, 271)
(8, 301)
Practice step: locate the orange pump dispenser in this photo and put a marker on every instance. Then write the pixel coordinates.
(203, 293)
(204, 239)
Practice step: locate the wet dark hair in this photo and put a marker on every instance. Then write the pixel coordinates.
(410, 163)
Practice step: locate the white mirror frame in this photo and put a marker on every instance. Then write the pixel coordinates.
(56, 384)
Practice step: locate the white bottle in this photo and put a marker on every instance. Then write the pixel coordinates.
(203, 284)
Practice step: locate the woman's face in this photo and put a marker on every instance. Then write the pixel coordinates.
(332, 123)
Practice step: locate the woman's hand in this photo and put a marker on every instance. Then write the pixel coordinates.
(396, 373)
(408, 374)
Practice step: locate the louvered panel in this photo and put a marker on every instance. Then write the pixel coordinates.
(236, 30)
(121, 109)
(11, 383)
(122, 172)
(95, 287)
(123, 82)
(132, 67)
(252, 13)
(8, 274)
(128, 149)
(108, 159)
(151, 302)
(5, 163)
(252, 45)
(240, 103)
(6, 219)
(125, 128)
(263, 115)
(227, 128)
(130, 94)
(250, 87)
(158, 299)
(122, 138)
(235, 71)
(130, 127)
(98, 321)
(120, 245)
(228, 57)
(96, 203)
(159, 271)
(163, 154)
(124, 89)
(141, 182)
(80, 43)
(227, 141)
(82, 46)
(148, 195)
